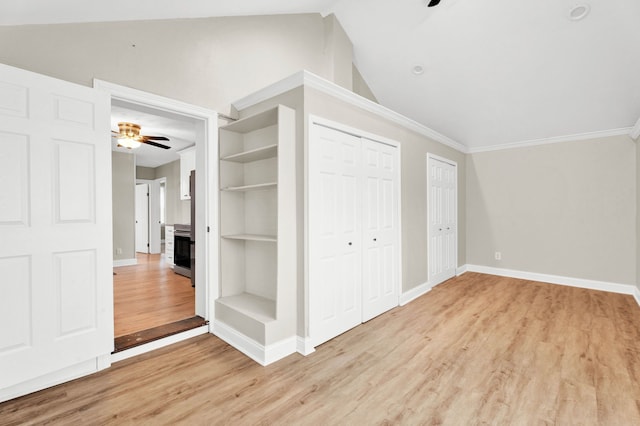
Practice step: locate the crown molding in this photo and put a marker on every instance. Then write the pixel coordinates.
(556, 139)
(308, 79)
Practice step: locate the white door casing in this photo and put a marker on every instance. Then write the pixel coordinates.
(441, 218)
(142, 218)
(354, 230)
(56, 304)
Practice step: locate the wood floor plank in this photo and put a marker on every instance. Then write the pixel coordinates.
(477, 349)
(149, 295)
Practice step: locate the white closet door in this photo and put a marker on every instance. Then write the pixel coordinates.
(442, 219)
(381, 257)
(56, 292)
(335, 289)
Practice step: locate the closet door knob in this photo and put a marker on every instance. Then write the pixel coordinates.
(349, 242)
(375, 239)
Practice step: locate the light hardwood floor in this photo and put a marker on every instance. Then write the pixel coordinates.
(149, 294)
(477, 349)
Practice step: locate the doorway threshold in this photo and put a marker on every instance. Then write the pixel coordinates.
(139, 338)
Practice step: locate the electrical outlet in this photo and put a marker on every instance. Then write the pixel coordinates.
(118, 250)
(498, 255)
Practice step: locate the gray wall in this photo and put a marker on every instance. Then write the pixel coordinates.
(123, 190)
(361, 87)
(637, 215)
(564, 209)
(147, 173)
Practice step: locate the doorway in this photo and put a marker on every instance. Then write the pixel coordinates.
(204, 125)
(442, 218)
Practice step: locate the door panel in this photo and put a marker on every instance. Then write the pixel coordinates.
(442, 220)
(142, 218)
(381, 226)
(335, 291)
(55, 229)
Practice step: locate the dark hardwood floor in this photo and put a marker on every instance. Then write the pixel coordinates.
(149, 295)
(477, 349)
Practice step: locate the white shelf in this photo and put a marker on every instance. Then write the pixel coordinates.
(251, 187)
(256, 307)
(254, 154)
(252, 237)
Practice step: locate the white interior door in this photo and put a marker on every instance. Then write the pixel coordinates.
(354, 255)
(142, 218)
(155, 240)
(442, 219)
(56, 290)
(334, 226)
(381, 257)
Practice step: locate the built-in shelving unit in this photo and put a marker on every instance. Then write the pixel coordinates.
(257, 223)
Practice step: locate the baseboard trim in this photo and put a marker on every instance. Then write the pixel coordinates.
(65, 375)
(560, 280)
(304, 345)
(125, 262)
(263, 355)
(461, 270)
(160, 343)
(414, 293)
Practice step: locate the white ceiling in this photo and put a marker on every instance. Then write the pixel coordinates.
(496, 71)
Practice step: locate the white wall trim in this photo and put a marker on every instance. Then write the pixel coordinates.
(308, 79)
(551, 140)
(263, 355)
(65, 375)
(561, 280)
(461, 270)
(157, 344)
(414, 293)
(305, 345)
(636, 295)
(635, 130)
(124, 262)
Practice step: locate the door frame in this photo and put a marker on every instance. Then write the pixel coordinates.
(207, 271)
(431, 156)
(155, 228)
(305, 343)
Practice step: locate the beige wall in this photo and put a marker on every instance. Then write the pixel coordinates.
(361, 87)
(637, 214)
(147, 173)
(338, 53)
(564, 209)
(123, 190)
(207, 62)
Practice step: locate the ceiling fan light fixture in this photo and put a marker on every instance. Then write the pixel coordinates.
(128, 143)
(579, 12)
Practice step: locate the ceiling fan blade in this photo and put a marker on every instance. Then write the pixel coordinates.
(154, 138)
(159, 145)
(433, 3)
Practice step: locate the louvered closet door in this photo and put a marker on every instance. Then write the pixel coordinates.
(56, 293)
(335, 289)
(380, 224)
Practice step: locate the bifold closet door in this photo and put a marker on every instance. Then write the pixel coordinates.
(335, 279)
(353, 231)
(381, 257)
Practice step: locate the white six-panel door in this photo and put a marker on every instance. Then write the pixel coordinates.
(380, 222)
(354, 257)
(335, 234)
(442, 219)
(56, 294)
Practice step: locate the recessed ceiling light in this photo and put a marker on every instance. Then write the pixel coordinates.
(579, 11)
(417, 69)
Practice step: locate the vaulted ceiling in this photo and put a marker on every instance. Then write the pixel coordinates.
(484, 73)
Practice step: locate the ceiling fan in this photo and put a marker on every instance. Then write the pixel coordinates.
(433, 3)
(129, 136)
